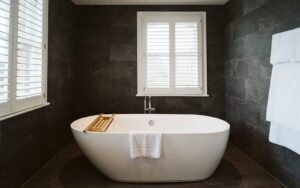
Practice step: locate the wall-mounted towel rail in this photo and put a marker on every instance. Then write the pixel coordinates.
(100, 124)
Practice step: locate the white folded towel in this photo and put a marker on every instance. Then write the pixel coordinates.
(286, 47)
(145, 144)
(285, 136)
(284, 103)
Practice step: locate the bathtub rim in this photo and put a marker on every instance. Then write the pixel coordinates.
(225, 124)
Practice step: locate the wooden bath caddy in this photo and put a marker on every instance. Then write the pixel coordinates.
(100, 124)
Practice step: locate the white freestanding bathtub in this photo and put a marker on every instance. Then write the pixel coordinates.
(192, 147)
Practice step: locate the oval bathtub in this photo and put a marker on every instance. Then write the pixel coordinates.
(192, 147)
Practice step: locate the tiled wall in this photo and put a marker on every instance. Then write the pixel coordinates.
(106, 62)
(249, 28)
(29, 140)
(94, 60)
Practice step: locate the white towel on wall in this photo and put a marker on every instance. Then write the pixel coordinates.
(284, 96)
(283, 110)
(285, 136)
(145, 144)
(286, 47)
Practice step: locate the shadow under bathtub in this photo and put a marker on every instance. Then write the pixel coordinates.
(79, 172)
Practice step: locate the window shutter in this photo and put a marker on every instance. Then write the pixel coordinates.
(172, 54)
(158, 55)
(23, 56)
(30, 49)
(5, 24)
(186, 55)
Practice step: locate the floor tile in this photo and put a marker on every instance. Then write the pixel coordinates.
(70, 169)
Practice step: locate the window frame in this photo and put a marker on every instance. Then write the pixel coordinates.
(15, 107)
(172, 18)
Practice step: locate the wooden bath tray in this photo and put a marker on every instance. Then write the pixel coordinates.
(100, 124)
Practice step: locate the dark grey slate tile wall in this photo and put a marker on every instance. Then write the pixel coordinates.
(249, 28)
(29, 140)
(106, 62)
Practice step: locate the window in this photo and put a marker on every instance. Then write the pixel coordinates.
(172, 54)
(23, 55)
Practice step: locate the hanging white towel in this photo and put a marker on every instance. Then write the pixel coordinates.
(145, 144)
(284, 106)
(285, 136)
(283, 110)
(284, 103)
(286, 47)
(296, 46)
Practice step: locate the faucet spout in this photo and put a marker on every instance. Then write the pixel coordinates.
(148, 109)
(149, 102)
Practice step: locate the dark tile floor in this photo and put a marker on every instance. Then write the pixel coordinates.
(70, 169)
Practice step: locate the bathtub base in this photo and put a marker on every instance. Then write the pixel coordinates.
(158, 178)
(179, 161)
(158, 182)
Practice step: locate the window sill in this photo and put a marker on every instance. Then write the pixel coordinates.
(168, 95)
(10, 115)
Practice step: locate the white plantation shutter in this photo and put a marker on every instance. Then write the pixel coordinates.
(158, 55)
(30, 47)
(5, 38)
(30, 52)
(172, 54)
(23, 55)
(186, 55)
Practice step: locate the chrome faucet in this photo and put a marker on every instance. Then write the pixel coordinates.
(148, 109)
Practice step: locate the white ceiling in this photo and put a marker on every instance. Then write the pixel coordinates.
(149, 2)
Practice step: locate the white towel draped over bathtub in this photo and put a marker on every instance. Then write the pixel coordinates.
(145, 144)
(283, 110)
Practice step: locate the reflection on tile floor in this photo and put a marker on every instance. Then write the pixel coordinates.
(70, 169)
